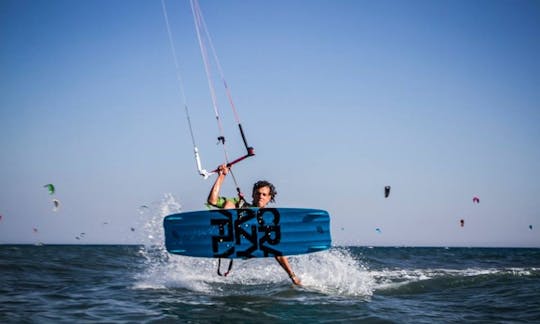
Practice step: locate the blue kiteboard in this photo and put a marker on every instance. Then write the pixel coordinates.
(247, 233)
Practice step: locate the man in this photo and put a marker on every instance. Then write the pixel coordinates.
(263, 193)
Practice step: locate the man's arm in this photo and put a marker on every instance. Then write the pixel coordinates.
(213, 196)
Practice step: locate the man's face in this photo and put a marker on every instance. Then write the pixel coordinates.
(261, 197)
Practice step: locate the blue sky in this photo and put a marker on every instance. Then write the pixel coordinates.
(439, 99)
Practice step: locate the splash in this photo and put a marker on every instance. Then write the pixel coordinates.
(331, 272)
(335, 272)
(163, 270)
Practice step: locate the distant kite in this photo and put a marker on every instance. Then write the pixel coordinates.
(133, 229)
(462, 223)
(35, 230)
(476, 200)
(378, 230)
(50, 188)
(530, 227)
(56, 204)
(387, 191)
(142, 209)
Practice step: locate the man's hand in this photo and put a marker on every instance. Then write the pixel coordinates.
(223, 169)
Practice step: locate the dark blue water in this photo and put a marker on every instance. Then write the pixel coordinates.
(87, 283)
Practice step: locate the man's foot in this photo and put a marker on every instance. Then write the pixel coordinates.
(295, 279)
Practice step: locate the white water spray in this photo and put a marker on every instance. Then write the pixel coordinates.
(331, 272)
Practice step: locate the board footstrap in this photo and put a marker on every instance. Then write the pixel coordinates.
(228, 269)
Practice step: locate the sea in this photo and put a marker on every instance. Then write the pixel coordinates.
(145, 284)
(85, 283)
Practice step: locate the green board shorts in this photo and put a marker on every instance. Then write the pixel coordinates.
(222, 200)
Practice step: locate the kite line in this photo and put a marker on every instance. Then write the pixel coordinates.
(204, 39)
(205, 43)
(200, 169)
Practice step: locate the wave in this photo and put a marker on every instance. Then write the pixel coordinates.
(408, 281)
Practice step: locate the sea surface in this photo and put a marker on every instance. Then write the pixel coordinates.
(145, 284)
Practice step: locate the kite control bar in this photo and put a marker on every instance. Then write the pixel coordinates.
(205, 173)
(250, 152)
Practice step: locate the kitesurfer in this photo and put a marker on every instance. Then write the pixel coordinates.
(263, 193)
(387, 191)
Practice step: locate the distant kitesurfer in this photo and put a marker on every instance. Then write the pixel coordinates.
(263, 193)
(387, 191)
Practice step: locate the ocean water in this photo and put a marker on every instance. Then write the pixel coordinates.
(138, 284)
(144, 284)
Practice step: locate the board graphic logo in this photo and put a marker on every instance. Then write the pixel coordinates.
(235, 232)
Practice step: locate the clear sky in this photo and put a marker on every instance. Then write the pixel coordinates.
(438, 99)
